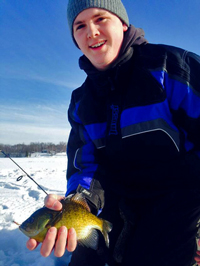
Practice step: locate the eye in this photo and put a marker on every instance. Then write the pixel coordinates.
(100, 19)
(31, 220)
(80, 27)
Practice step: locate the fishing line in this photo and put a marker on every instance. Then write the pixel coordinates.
(20, 177)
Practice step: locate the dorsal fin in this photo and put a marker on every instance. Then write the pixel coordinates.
(79, 198)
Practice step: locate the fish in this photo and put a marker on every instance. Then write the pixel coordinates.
(75, 213)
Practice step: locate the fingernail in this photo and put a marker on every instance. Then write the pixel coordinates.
(63, 230)
(71, 231)
(52, 230)
(29, 245)
(56, 205)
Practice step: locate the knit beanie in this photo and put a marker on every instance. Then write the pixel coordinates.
(77, 6)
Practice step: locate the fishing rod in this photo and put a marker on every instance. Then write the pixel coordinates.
(20, 177)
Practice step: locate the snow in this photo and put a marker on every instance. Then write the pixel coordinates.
(19, 199)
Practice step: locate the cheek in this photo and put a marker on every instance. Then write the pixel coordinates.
(117, 38)
(80, 41)
(77, 38)
(118, 41)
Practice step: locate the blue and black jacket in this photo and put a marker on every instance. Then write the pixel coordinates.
(136, 127)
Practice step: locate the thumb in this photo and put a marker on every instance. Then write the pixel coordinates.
(53, 202)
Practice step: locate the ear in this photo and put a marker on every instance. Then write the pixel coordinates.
(125, 27)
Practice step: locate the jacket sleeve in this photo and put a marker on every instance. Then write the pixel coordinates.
(182, 84)
(82, 163)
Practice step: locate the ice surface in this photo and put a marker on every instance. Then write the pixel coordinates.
(19, 199)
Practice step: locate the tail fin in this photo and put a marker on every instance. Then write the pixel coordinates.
(107, 227)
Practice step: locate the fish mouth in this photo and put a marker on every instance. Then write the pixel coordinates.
(28, 232)
(25, 231)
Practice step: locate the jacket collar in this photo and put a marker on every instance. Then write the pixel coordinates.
(133, 36)
(102, 80)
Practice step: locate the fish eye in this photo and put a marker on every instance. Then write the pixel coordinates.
(31, 220)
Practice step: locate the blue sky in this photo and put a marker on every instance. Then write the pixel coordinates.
(39, 62)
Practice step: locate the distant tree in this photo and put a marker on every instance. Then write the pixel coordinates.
(33, 147)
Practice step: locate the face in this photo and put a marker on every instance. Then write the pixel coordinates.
(99, 34)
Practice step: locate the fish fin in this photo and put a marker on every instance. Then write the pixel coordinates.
(91, 241)
(107, 227)
(79, 198)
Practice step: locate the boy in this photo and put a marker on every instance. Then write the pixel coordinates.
(133, 147)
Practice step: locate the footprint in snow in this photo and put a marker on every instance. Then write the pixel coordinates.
(34, 194)
(8, 186)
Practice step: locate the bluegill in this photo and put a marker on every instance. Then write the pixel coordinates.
(75, 213)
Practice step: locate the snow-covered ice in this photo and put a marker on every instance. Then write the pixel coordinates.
(19, 199)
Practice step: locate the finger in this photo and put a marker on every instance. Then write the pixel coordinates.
(71, 240)
(61, 242)
(197, 259)
(52, 202)
(48, 242)
(198, 252)
(31, 244)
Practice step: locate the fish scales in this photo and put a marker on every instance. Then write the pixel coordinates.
(75, 213)
(83, 224)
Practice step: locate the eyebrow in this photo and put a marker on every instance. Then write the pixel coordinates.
(101, 13)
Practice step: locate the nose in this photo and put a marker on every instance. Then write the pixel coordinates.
(92, 31)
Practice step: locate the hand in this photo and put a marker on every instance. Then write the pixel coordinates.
(53, 237)
(197, 257)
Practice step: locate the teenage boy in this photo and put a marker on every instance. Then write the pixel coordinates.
(134, 143)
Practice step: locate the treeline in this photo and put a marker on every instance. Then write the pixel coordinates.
(34, 147)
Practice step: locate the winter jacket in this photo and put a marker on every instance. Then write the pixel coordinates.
(136, 126)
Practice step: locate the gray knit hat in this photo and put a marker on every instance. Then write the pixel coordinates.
(77, 6)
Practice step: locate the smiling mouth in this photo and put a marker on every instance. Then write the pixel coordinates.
(97, 45)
